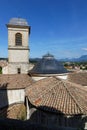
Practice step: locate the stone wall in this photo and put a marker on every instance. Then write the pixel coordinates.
(19, 56)
(12, 68)
(11, 36)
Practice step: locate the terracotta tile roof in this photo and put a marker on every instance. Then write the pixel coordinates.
(79, 78)
(58, 96)
(14, 81)
(14, 111)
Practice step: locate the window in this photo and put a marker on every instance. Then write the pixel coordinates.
(18, 70)
(18, 39)
(0, 70)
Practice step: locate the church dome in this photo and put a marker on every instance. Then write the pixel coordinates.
(48, 65)
(18, 21)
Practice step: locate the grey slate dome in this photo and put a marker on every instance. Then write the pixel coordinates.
(18, 21)
(48, 65)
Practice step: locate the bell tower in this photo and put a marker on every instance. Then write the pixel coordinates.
(18, 49)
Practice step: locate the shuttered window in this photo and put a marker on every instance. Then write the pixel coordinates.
(18, 39)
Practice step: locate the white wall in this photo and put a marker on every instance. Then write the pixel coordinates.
(8, 97)
(62, 76)
(5, 70)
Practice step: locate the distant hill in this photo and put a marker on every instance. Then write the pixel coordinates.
(3, 58)
(34, 60)
(83, 58)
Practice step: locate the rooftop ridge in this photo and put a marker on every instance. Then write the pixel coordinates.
(49, 89)
(79, 106)
(46, 92)
(52, 87)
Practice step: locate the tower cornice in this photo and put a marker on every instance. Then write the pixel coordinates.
(19, 26)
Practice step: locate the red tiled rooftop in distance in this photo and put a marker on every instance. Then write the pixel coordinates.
(55, 95)
(79, 78)
(14, 81)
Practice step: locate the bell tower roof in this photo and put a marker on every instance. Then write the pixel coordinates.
(18, 21)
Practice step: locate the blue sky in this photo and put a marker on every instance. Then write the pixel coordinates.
(57, 26)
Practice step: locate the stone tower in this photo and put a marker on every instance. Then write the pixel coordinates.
(18, 49)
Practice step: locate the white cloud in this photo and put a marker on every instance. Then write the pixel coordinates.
(85, 49)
